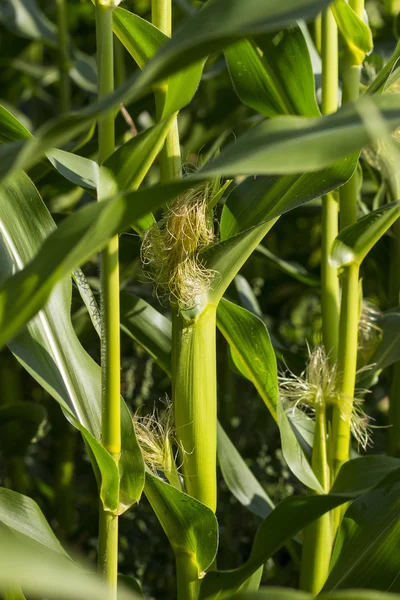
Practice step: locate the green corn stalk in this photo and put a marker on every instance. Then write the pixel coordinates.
(110, 319)
(349, 313)
(317, 546)
(193, 361)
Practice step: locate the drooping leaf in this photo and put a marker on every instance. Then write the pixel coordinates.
(293, 452)
(51, 352)
(389, 72)
(295, 513)
(239, 479)
(191, 527)
(248, 335)
(355, 241)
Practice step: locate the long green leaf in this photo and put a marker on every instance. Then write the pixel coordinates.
(354, 242)
(75, 241)
(295, 513)
(247, 335)
(370, 554)
(219, 24)
(239, 479)
(143, 40)
(257, 199)
(51, 352)
(24, 18)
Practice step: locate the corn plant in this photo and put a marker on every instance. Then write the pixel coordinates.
(314, 119)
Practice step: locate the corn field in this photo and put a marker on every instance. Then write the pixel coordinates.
(200, 299)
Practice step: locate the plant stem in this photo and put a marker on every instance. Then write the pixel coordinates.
(108, 550)
(110, 312)
(394, 396)
(317, 546)
(347, 363)
(195, 406)
(329, 278)
(349, 316)
(170, 156)
(187, 578)
(64, 61)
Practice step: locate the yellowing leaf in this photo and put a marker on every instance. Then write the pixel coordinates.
(356, 33)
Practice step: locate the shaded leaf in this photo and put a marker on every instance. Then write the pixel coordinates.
(239, 479)
(295, 513)
(149, 328)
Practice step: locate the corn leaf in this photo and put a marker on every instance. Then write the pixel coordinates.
(77, 238)
(51, 352)
(257, 199)
(369, 557)
(293, 514)
(23, 516)
(45, 573)
(272, 593)
(191, 527)
(387, 75)
(357, 34)
(149, 328)
(143, 40)
(295, 270)
(219, 24)
(274, 74)
(240, 480)
(355, 241)
(248, 336)
(11, 129)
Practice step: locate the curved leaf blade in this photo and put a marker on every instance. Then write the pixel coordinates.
(355, 241)
(295, 513)
(191, 527)
(50, 351)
